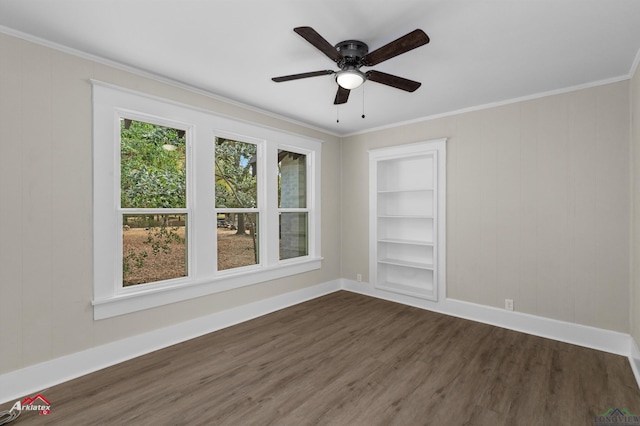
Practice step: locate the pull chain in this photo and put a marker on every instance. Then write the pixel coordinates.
(337, 114)
(363, 101)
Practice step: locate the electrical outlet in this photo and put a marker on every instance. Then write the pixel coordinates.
(359, 277)
(508, 304)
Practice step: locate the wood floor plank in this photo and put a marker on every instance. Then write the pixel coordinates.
(348, 359)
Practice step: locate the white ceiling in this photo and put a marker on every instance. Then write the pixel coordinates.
(481, 51)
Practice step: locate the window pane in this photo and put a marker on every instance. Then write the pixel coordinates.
(237, 240)
(152, 166)
(293, 235)
(154, 248)
(235, 174)
(292, 180)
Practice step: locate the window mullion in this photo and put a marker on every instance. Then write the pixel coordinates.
(270, 191)
(203, 232)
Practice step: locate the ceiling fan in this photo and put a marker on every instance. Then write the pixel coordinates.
(351, 55)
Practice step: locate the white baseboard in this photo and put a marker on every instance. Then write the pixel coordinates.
(634, 360)
(577, 334)
(35, 378)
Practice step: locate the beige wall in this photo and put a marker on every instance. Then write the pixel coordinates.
(45, 208)
(538, 204)
(635, 187)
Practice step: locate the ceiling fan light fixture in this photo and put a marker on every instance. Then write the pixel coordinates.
(350, 79)
(350, 55)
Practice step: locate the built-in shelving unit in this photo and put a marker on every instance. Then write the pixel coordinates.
(407, 218)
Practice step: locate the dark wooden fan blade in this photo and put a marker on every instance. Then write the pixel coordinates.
(393, 81)
(341, 96)
(319, 42)
(397, 47)
(302, 75)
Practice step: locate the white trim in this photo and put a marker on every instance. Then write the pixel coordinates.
(147, 95)
(154, 296)
(192, 89)
(576, 334)
(634, 359)
(28, 380)
(493, 105)
(109, 299)
(34, 378)
(156, 77)
(437, 150)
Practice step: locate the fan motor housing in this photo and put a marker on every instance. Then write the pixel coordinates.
(353, 51)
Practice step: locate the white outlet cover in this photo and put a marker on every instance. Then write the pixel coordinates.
(508, 304)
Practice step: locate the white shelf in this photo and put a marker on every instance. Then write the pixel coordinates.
(408, 264)
(409, 242)
(407, 218)
(392, 191)
(408, 290)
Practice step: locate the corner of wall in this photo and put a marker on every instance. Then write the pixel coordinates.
(634, 65)
(634, 359)
(341, 141)
(634, 299)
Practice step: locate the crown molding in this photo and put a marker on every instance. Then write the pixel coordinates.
(157, 77)
(499, 103)
(193, 89)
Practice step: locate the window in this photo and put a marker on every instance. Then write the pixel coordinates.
(237, 212)
(187, 203)
(153, 202)
(292, 204)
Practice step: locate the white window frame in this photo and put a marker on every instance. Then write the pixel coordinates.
(261, 202)
(159, 121)
(309, 155)
(109, 297)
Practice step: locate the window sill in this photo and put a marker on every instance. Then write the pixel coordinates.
(157, 296)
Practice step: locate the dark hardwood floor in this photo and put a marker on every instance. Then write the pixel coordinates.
(348, 359)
